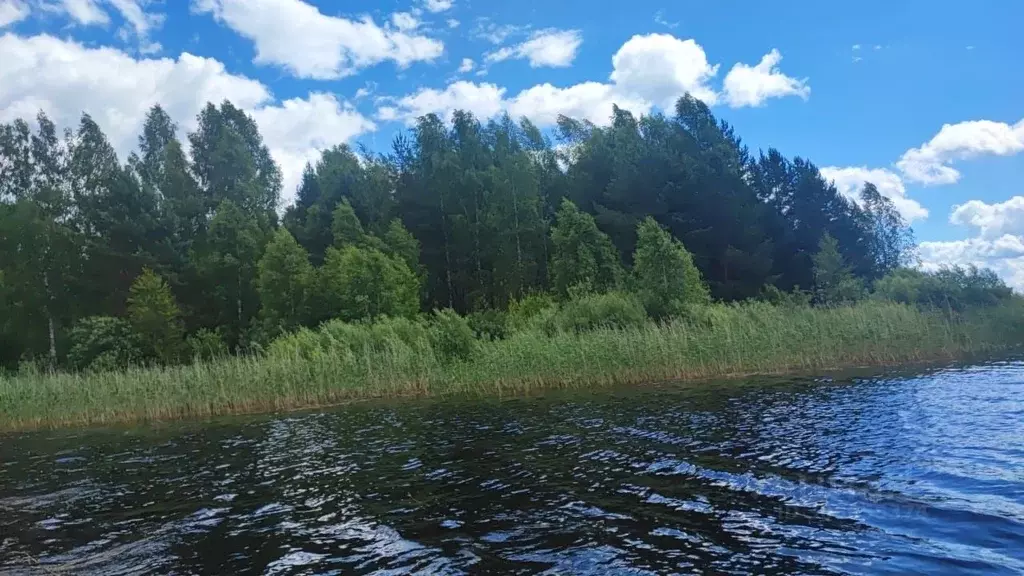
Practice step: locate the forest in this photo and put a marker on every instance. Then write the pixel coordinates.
(185, 250)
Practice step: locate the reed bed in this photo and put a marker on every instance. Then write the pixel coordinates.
(323, 370)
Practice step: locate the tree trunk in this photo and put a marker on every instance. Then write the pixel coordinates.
(49, 321)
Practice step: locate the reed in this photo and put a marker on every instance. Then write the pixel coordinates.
(396, 359)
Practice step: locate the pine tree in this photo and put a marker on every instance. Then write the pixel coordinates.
(155, 318)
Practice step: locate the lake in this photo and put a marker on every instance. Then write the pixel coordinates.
(899, 473)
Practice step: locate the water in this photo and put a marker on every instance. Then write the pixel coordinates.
(899, 475)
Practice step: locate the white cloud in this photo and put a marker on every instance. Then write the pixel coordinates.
(297, 130)
(452, 23)
(647, 70)
(467, 65)
(12, 11)
(659, 18)
(660, 68)
(850, 181)
(751, 85)
(991, 220)
(138, 23)
(142, 23)
(404, 21)
(931, 162)
(1004, 255)
(65, 78)
(298, 37)
(483, 100)
(84, 12)
(856, 46)
(438, 5)
(495, 33)
(552, 48)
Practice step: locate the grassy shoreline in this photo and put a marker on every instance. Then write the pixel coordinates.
(738, 340)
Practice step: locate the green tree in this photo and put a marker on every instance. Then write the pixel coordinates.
(833, 282)
(345, 226)
(364, 283)
(583, 256)
(103, 342)
(285, 283)
(400, 243)
(663, 271)
(225, 262)
(155, 318)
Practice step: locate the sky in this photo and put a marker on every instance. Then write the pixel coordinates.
(923, 98)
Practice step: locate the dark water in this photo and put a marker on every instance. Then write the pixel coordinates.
(895, 475)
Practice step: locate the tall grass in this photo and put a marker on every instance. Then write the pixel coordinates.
(401, 358)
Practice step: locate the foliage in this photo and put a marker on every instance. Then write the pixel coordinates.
(954, 289)
(451, 336)
(364, 283)
(103, 342)
(285, 283)
(833, 282)
(664, 274)
(584, 258)
(206, 345)
(592, 311)
(155, 318)
(489, 324)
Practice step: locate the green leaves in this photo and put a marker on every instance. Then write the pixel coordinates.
(364, 283)
(285, 282)
(664, 273)
(584, 258)
(155, 318)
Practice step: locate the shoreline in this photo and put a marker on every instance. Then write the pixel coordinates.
(743, 342)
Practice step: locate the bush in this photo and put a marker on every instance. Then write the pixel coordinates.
(364, 283)
(489, 324)
(386, 336)
(663, 272)
(953, 289)
(611, 310)
(103, 342)
(451, 336)
(206, 345)
(531, 311)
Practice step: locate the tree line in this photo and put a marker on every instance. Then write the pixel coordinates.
(185, 249)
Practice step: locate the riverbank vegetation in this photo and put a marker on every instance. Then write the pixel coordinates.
(474, 258)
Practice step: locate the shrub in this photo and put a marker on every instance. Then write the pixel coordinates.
(206, 344)
(954, 289)
(451, 336)
(489, 324)
(103, 342)
(531, 311)
(611, 310)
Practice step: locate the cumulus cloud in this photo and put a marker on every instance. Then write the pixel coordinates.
(438, 5)
(931, 162)
(405, 21)
(298, 37)
(12, 11)
(647, 71)
(467, 65)
(661, 68)
(1004, 255)
(84, 12)
(65, 79)
(551, 48)
(991, 220)
(752, 85)
(850, 180)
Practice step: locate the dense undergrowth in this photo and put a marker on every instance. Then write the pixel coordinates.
(534, 346)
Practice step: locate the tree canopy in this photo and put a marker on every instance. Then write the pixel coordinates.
(467, 214)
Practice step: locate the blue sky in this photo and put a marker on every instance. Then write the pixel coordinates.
(863, 89)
